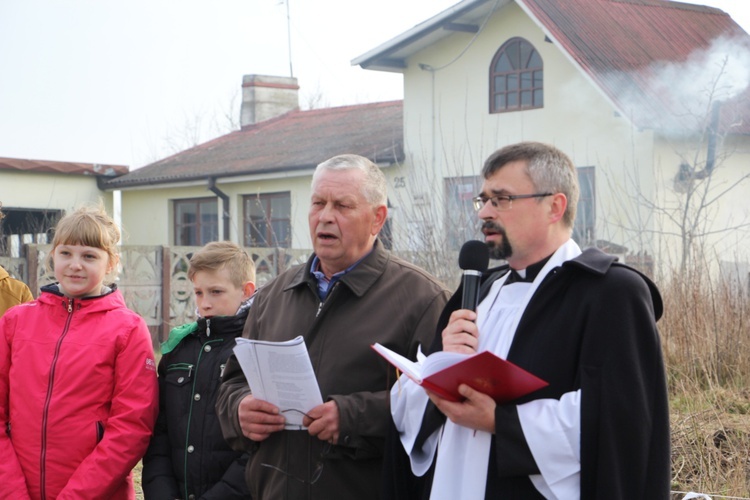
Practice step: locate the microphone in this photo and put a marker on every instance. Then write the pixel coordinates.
(473, 258)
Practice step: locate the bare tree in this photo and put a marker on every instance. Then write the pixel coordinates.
(687, 206)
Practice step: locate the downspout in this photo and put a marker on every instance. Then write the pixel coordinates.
(687, 173)
(224, 202)
(117, 210)
(713, 133)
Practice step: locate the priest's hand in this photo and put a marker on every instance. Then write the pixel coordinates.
(258, 418)
(461, 334)
(476, 412)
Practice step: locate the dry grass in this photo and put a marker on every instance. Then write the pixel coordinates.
(137, 481)
(707, 351)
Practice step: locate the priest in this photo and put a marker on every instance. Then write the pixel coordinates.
(581, 321)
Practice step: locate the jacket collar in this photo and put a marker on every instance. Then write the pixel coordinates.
(54, 289)
(111, 300)
(592, 261)
(229, 325)
(358, 280)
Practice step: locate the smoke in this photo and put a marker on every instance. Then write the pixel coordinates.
(718, 73)
(685, 91)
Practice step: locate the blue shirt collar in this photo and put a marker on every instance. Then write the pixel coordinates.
(324, 284)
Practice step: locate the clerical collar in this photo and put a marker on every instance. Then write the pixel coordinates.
(526, 275)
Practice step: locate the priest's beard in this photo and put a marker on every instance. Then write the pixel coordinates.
(500, 251)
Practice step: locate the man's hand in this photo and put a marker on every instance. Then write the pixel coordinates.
(323, 422)
(258, 418)
(461, 334)
(476, 412)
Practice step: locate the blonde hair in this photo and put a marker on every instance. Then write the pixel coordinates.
(224, 254)
(90, 226)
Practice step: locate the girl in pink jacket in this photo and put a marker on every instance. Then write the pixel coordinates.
(78, 388)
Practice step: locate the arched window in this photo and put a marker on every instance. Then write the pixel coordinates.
(516, 77)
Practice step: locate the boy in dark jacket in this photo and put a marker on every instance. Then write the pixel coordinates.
(188, 457)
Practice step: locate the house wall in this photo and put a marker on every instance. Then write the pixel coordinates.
(449, 130)
(50, 191)
(716, 209)
(148, 214)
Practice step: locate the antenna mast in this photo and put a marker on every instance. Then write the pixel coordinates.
(289, 37)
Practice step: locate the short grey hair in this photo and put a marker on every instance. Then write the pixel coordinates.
(374, 188)
(550, 170)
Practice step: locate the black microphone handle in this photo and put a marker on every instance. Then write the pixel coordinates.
(470, 297)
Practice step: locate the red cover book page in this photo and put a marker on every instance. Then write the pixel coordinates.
(486, 373)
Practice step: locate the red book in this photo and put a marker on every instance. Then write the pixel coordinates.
(442, 373)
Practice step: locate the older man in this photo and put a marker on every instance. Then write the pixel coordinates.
(350, 294)
(579, 320)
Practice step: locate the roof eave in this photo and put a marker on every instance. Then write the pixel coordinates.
(380, 58)
(114, 184)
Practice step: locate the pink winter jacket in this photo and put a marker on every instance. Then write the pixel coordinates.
(78, 397)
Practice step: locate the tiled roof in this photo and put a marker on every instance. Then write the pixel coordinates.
(294, 141)
(645, 53)
(62, 167)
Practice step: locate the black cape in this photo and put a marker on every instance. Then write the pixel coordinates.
(591, 325)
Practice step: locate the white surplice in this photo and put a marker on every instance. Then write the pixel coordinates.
(551, 427)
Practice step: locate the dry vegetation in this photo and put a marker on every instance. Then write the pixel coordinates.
(706, 342)
(137, 481)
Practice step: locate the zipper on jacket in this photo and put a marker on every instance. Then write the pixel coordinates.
(48, 400)
(328, 295)
(186, 453)
(314, 328)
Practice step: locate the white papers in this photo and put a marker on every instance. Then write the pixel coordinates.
(282, 374)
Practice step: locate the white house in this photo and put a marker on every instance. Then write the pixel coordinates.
(35, 193)
(662, 147)
(649, 98)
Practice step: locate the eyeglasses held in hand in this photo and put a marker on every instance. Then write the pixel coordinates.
(503, 201)
(317, 472)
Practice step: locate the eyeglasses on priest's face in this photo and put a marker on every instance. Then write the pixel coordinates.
(503, 201)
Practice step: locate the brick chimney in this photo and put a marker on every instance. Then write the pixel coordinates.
(265, 97)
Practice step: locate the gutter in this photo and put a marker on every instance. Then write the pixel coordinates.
(225, 205)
